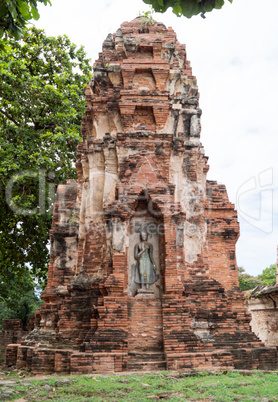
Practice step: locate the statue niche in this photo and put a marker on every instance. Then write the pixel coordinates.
(145, 272)
(145, 254)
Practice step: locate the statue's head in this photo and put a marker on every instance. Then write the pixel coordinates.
(144, 235)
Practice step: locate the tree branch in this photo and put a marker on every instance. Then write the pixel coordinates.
(9, 117)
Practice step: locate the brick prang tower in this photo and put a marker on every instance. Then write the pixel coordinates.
(141, 167)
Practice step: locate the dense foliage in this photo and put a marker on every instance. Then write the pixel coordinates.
(268, 277)
(14, 14)
(17, 297)
(41, 104)
(248, 282)
(188, 8)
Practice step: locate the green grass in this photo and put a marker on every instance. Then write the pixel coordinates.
(232, 386)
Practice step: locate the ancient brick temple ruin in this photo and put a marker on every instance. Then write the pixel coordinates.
(143, 271)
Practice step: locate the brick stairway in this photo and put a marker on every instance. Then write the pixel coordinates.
(145, 342)
(146, 361)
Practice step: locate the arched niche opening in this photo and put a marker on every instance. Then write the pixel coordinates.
(144, 52)
(143, 79)
(144, 118)
(147, 217)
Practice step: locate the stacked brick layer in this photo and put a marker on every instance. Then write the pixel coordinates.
(12, 332)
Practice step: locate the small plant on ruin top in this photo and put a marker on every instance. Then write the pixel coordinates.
(147, 19)
(73, 219)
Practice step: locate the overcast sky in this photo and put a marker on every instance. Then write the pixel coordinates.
(234, 55)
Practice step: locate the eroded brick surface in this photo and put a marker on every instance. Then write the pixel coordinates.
(140, 163)
(12, 332)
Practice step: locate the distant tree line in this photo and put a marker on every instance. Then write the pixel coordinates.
(247, 282)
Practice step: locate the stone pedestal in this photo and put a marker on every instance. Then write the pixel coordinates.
(143, 293)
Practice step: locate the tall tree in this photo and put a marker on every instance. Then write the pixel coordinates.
(18, 298)
(246, 281)
(41, 103)
(188, 8)
(268, 276)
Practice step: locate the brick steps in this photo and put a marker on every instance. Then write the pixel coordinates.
(146, 366)
(153, 355)
(146, 361)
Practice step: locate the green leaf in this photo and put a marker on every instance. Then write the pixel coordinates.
(25, 11)
(12, 10)
(177, 9)
(219, 4)
(160, 2)
(190, 8)
(208, 6)
(35, 13)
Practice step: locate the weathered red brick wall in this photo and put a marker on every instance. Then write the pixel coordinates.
(223, 232)
(145, 325)
(12, 332)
